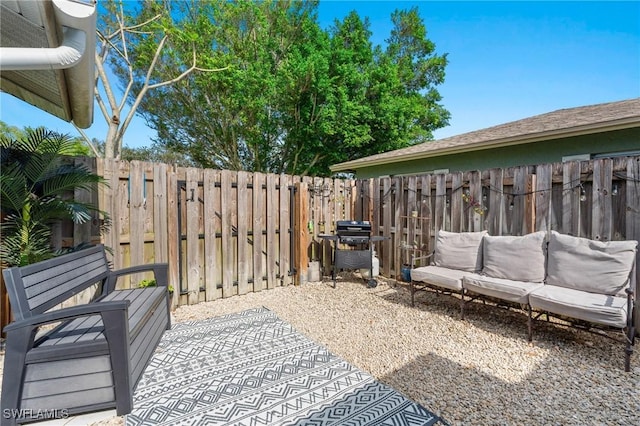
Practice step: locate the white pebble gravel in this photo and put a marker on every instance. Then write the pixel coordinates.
(480, 371)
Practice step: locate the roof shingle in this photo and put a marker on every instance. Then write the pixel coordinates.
(551, 125)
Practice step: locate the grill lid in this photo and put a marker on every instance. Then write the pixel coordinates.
(360, 228)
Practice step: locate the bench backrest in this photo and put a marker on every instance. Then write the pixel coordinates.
(36, 288)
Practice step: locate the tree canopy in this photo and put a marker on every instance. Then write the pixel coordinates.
(292, 97)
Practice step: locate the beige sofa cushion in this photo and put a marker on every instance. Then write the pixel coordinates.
(588, 265)
(597, 308)
(515, 258)
(441, 277)
(459, 250)
(511, 290)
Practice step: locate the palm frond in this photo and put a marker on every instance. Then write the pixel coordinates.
(35, 189)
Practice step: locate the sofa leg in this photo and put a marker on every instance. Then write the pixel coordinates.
(462, 302)
(628, 350)
(627, 358)
(413, 294)
(530, 324)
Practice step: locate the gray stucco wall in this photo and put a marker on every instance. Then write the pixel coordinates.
(516, 155)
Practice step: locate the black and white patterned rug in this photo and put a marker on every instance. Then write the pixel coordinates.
(252, 368)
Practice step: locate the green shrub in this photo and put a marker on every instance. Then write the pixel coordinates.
(152, 283)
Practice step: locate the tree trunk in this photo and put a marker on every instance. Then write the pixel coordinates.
(111, 145)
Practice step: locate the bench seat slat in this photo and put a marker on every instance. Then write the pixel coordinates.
(76, 383)
(73, 331)
(61, 274)
(142, 302)
(68, 367)
(91, 329)
(69, 351)
(72, 400)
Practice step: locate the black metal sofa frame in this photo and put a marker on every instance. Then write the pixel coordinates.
(82, 358)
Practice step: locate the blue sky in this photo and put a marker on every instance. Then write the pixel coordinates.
(507, 60)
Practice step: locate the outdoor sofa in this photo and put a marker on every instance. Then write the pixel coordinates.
(583, 281)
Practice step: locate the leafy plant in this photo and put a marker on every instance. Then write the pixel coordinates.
(35, 185)
(477, 206)
(152, 283)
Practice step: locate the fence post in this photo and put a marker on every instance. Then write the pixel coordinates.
(530, 204)
(632, 210)
(173, 234)
(301, 232)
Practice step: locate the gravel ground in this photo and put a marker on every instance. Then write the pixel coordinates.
(480, 371)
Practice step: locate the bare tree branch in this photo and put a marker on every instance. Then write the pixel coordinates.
(87, 140)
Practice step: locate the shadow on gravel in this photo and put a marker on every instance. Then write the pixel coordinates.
(557, 392)
(579, 381)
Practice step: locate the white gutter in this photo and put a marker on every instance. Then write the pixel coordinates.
(75, 22)
(67, 55)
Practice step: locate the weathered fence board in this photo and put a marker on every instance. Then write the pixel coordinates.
(210, 212)
(457, 202)
(544, 174)
(286, 227)
(244, 218)
(173, 233)
(632, 201)
(272, 210)
(602, 218)
(194, 261)
(440, 211)
(496, 213)
(160, 213)
(228, 249)
(258, 226)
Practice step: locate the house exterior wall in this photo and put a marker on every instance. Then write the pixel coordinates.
(515, 155)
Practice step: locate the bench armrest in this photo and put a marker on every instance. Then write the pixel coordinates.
(160, 273)
(415, 258)
(69, 313)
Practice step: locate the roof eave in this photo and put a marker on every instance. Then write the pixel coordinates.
(621, 124)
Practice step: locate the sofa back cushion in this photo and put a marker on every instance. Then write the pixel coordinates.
(515, 258)
(588, 265)
(459, 250)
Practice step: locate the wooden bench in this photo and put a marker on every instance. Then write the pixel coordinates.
(87, 357)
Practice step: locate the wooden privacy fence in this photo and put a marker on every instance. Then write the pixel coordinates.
(225, 233)
(222, 232)
(598, 199)
(234, 232)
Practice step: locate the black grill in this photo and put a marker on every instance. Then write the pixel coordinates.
(353, 232)
(357, 235)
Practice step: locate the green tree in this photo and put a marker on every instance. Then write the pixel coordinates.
(235, 119)
(155, 153)
(420, 70)
(349, 103)
(9, 131)
(34, 184)
(295, 98)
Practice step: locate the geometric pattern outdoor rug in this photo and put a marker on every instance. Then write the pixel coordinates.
(252, 368)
